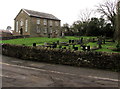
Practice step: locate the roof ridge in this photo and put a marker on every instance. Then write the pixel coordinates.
(40, 14)
(38, 11)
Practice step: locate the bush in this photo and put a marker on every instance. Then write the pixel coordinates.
(90, 59)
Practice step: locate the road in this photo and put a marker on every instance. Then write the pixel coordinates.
(21, 73)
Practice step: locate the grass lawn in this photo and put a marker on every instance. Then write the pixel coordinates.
(38, 40)
(41, 40)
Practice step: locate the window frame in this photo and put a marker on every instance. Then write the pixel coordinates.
(56, 23)
(17, 24)
(45, 22)
(38, 29)
(26, 25)
(21, 23)
(38, 21)
(51, 23)
(45, 30)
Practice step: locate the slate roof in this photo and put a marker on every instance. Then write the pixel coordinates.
(40, 14)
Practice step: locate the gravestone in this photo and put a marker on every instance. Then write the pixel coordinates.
(93, 40)
(75, 48)
(88, 48)
(84, 47)
(81, 40)
(45, 44)
(100, 42)
(104, 40)
(34, 44)
(64, 48)
(63, 34)
(58, 42)
(54, 45)
(69, 41)
(72, 41)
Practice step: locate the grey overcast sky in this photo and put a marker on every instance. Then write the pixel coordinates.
(66, 10)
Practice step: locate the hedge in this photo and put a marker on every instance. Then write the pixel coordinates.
(100, 60)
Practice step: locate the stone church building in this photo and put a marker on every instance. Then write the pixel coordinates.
(36, 24)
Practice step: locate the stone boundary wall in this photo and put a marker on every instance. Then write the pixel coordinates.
(99, 60)
(13, 37)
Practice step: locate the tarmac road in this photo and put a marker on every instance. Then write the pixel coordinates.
(21, 73)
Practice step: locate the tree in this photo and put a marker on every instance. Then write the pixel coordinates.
(8, 28)
(108, 30)
(117, 34)
(108, 9)
(85, 15)
(66, 30)
(65, 27)
(96, 27)
(80, 27)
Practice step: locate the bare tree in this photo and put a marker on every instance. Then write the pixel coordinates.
(85, 15)
(108, 9)
(8, 28)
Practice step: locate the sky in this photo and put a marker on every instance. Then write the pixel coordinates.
(67, 11)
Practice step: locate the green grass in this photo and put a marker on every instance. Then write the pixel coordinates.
(107, 47)
(38, 40)
(41, 40)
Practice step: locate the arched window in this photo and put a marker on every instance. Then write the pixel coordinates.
(21, 22)
(26, 25)
(16, 26)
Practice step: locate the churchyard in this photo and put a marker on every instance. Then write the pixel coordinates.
(82, 43)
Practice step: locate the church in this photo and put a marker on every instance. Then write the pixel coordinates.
(36, 24)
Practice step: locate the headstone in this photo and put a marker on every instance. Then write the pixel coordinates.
(69, 41)
(72, 41)
(63, 34)
(81, 40)
(83, 47)
(88, 48)
(45, 44)
(58, 42)
(64, 48)
(34, 44)
(100, 42)
(75, 48)
(54, 45)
